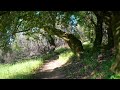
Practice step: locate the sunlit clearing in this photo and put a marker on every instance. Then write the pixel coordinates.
(13, 71)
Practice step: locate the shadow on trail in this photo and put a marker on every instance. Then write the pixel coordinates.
(87, 68)
(55, 70)
(49, 74)
(49, 69)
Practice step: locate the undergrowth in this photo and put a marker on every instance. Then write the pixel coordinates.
(24, 69)
(86, 68)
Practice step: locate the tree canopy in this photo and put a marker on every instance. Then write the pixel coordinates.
(69, 26)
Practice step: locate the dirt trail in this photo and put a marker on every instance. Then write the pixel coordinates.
(49, 70)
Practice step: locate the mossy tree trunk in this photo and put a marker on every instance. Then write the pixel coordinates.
(116, 32)
(74, 43)
(110, 38)
(108, 22)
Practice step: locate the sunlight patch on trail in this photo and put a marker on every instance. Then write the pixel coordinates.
(63, 58)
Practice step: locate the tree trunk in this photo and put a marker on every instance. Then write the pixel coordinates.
(116, 30)
(52, 43)
(108, 22)
(98, 32)
(74, 43)
(110, 38)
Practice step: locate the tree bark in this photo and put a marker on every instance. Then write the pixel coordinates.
(116, 32)
(108, 22)
(52, 43)
(98, 30)
(74, 43)
(110, 38)
(51, 40)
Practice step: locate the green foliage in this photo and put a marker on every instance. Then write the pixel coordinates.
(60, 50)
(65, 55)
(25, 21)
(115, 76)
(47, 56)
(19, 70)
(24, 69)
(87, 68)
(31, 24)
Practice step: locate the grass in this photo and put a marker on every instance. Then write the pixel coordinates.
(19, 70)
(87, 68)
(64, 57)
(24, 69)
(61, 50)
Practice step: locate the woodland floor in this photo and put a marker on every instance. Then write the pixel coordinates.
(49, 70)
(61, 64)
(87, 68)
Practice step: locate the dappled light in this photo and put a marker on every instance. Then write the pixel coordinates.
(59, 45)
(50, 67)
